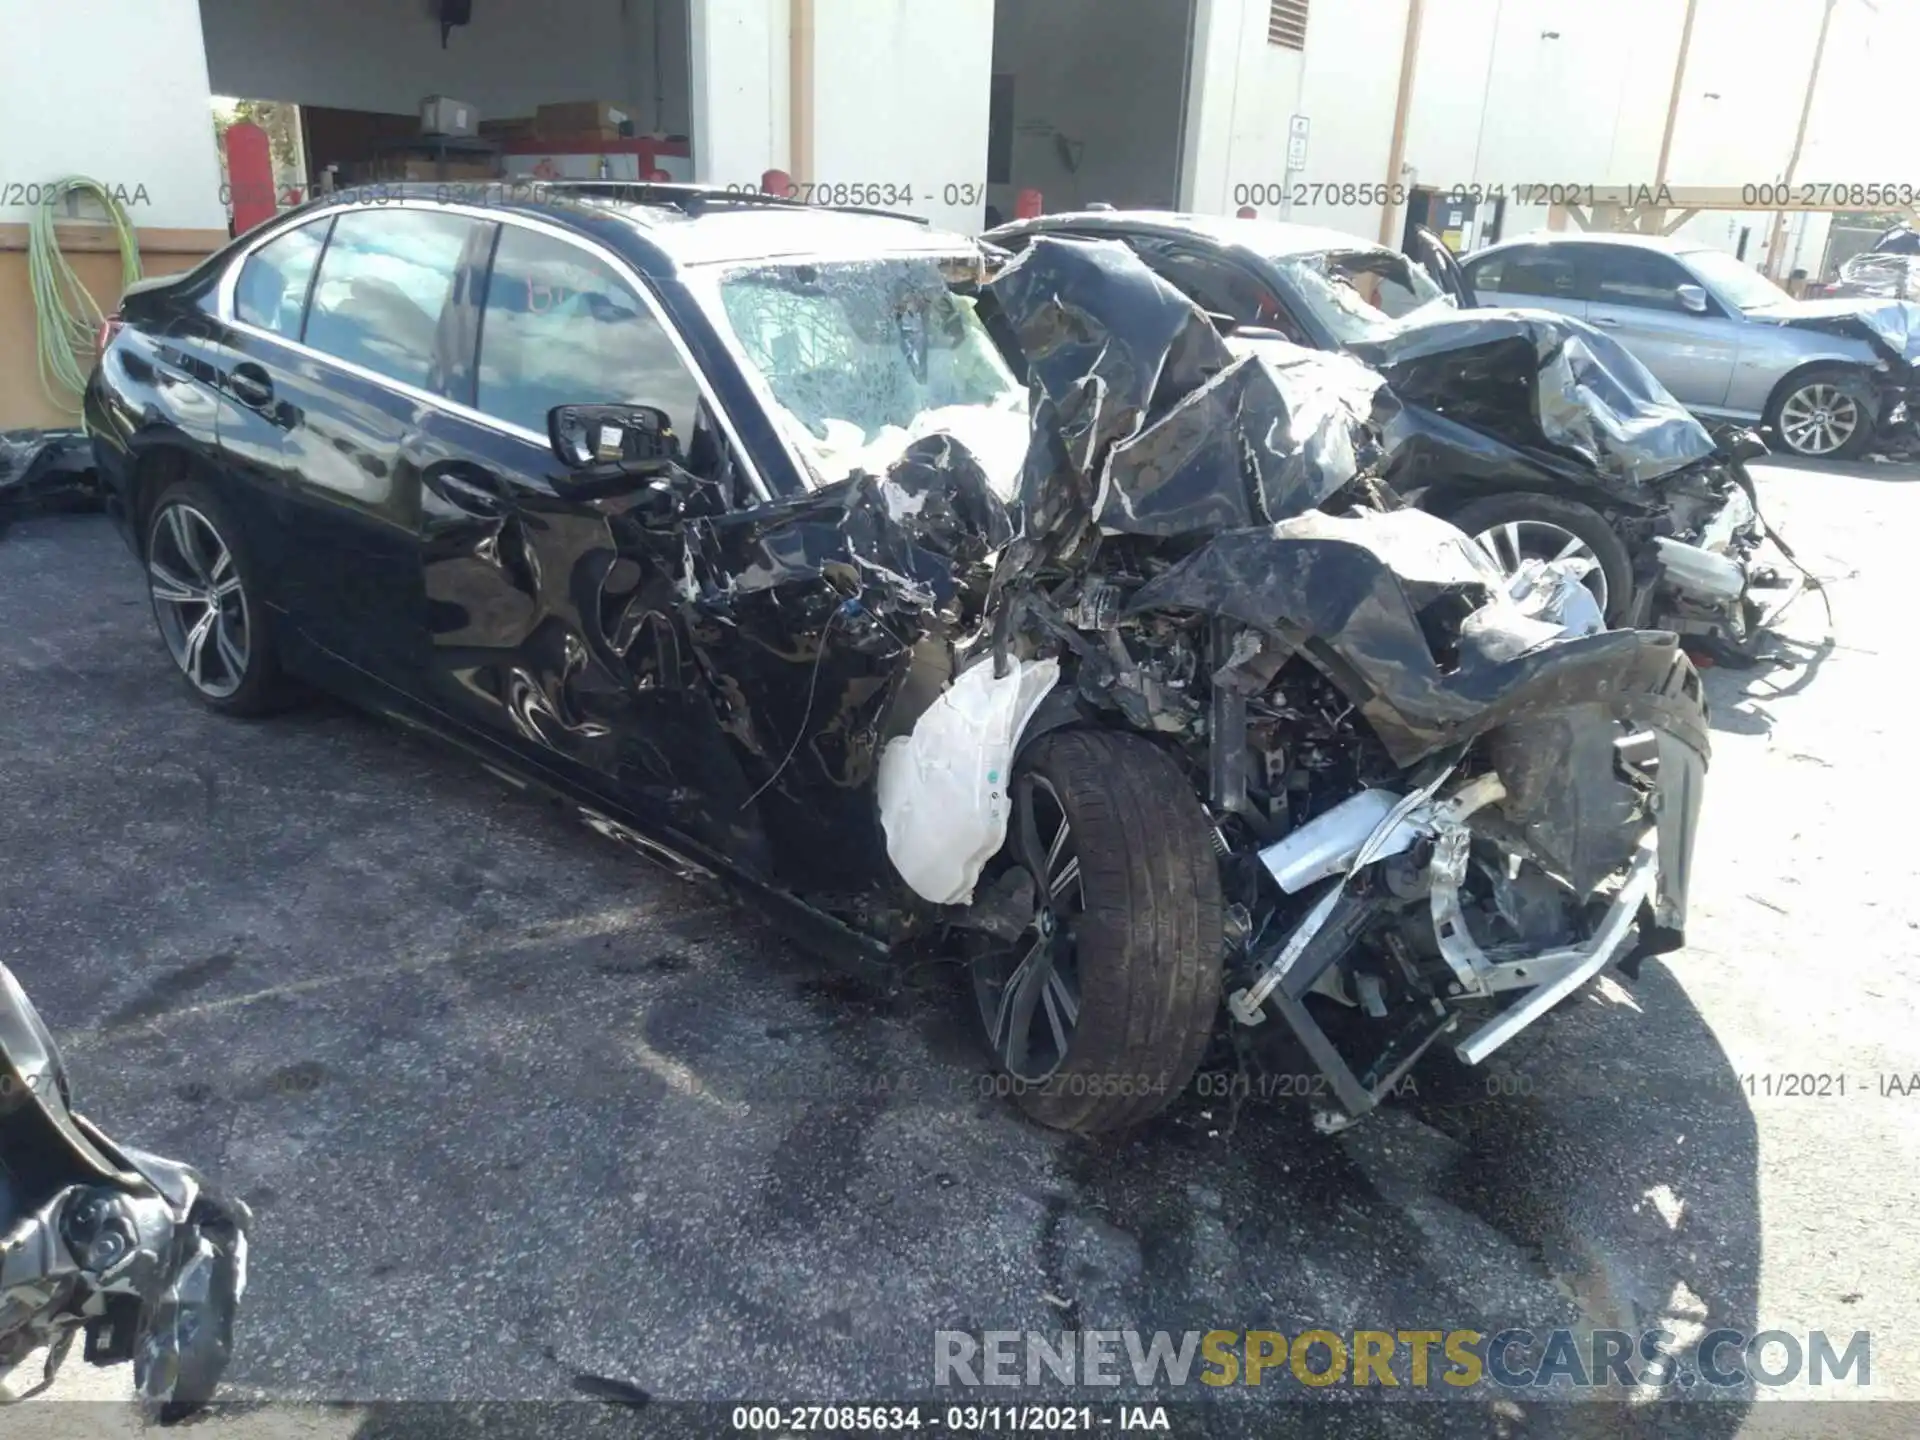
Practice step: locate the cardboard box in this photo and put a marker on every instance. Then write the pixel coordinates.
(586, 117)
(440, 115)
(514, 127)
(415, 167)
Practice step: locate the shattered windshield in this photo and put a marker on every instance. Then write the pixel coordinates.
(860, 359)
(1361, 294)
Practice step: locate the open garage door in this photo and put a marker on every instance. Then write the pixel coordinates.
(1089, 101)
(577, 88)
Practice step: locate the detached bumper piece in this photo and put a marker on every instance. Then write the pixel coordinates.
(1355, 835)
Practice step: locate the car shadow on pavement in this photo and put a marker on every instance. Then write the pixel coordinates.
(1600, 1174)
(1737, 700)
(1898, 469)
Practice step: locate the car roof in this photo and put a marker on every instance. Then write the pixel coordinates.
(687, 225)
(1272, 238)
(1625, 239)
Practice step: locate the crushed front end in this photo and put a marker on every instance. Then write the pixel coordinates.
(1432, 810)
(1435, 806)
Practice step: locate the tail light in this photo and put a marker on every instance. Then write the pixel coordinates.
(109, 328)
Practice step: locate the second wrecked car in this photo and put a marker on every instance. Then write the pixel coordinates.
(1136, 687)
(1535, 432)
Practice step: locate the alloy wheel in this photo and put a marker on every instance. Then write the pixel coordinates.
(1818, 419)
(1029, 995)
(198, 600)
(1516, 541)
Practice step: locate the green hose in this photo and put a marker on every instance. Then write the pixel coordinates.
(69, 319)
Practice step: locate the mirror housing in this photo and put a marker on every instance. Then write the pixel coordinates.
(612, 449)
(1692, 298)
(583, 436)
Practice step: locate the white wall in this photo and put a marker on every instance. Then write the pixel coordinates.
(1544, 92)
(1247, 90)
(900, 97)
(741, 81)
(71, 104)
(1498, 101)
(1541, 92)
(515, 55)
(1242, 92)
(1104, 79)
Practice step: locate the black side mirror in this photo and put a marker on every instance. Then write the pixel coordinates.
(1746, 445)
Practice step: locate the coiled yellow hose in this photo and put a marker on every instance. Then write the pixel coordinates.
(68, 318)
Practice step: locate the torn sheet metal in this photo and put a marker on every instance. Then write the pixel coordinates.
(1356, 588)
(1276, 433)
(1106, 340)
(42, 470)
(944, 790)
(1892, 327)
(1546, 384)
(1880, 275)
(129, 1247)
(1556, 591)
(769, 653)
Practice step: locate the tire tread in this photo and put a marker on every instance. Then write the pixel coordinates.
(1152, 925)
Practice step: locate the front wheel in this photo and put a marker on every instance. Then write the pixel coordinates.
(1099, 1013)
(1825, 414)
(1524, 525)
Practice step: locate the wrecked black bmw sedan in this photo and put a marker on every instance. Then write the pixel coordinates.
(1135, 686)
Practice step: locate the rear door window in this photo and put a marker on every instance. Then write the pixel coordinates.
(561, 327)
(383, 288)
(1529, 270)
(272, 289)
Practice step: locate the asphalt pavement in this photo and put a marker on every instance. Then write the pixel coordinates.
(523, 1118)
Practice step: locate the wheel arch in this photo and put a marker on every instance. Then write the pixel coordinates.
(1445, 498)
(1795, 377)
(157, 466)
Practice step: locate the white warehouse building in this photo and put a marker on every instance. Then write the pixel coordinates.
(1294, 106)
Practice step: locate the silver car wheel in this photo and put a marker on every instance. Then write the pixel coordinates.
(1818, 419)
(1518, 540)
(1029, 996)
(198, 600)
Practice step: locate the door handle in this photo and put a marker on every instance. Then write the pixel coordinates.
(1606, 320)
(250, 385)
(468, 489)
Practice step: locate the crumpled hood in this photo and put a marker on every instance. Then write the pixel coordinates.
(1146, 422)
(1891, 326)
(1546, 384)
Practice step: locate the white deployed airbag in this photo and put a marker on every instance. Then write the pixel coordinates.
(943, 789)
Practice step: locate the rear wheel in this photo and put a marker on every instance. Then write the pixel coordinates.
(207, 605)
(1525, 525)
(1099, 1013)
(1825, 414)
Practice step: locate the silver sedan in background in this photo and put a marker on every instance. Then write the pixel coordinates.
(1826, 376)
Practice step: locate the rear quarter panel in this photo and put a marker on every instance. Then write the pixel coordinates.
(149, 396)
